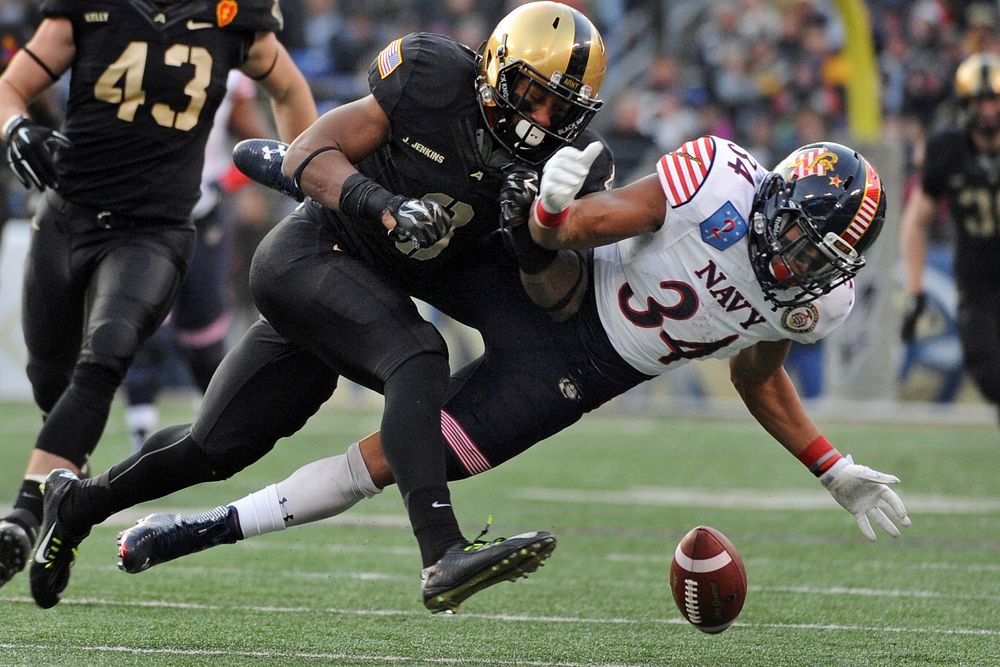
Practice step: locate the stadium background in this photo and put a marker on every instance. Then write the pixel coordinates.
(621, 487)
(769, 74)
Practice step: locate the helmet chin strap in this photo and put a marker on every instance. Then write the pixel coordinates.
(529, 133)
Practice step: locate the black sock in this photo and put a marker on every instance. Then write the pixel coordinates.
(74, 426)
(415, 450)
(29, 501)
(169, 461)
(433, 521)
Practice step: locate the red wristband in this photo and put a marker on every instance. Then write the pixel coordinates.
(819, 456)
(546, 219)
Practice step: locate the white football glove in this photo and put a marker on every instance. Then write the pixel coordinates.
(563, 175)
(865, 493)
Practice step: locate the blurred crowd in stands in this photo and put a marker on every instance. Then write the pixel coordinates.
(769, 73)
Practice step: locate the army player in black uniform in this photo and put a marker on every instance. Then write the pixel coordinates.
(962, 167)
(430, 144)
(112, 237)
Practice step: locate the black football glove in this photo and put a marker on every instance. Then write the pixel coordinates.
(420, 223)
(915, 304)
(520, 187)
(260, 160)
(30, 150)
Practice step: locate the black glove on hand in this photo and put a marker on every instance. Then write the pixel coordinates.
(30, 152)
(520, 187)
(915, 304)
(260, 160)
(419, 222)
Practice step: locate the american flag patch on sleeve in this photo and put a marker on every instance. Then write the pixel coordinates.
(683, 171)
(390, 58)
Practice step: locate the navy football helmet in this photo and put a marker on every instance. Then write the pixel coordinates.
(812, 219)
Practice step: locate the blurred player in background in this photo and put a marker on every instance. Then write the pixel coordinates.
(962, 167)
(203, 311)
(712, 256)
(113, 235)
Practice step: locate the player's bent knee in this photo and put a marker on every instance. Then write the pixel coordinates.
(114, 343)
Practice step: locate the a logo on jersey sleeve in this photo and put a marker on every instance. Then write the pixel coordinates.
(724, 227)
(225, 12)
(683, 171)
(800, 319)
(390, 58)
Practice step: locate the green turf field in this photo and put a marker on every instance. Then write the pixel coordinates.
(618, 492)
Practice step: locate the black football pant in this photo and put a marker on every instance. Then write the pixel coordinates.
(979, 332)
(90, 298)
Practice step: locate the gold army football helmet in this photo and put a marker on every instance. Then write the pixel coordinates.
(540, 47)
(978, 76)
(976, 80)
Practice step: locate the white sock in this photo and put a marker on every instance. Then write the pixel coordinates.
(317, 490)
(260, 512)
(141, 420)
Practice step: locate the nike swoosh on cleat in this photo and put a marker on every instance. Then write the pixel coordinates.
(199, 25)
(436, 504)
(42, 548)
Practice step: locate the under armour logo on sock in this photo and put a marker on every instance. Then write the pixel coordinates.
(286, 517)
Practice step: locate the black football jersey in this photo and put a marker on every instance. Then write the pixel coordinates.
(970, 182)
(146, 82)
(440, 149)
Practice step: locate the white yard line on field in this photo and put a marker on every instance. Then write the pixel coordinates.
(354, 658)
(520, 618)
(747, 499)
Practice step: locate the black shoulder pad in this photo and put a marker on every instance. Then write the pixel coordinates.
(431, 70)
(255, 15)
(58, 7)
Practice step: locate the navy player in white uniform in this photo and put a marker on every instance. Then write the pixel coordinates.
(715, 257)
(404, 187)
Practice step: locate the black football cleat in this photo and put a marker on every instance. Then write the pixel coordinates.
(159, 538)
(467, 568)
(15, 549)
(56, 550)
(260, 160)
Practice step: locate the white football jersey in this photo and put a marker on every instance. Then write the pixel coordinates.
(687, 290)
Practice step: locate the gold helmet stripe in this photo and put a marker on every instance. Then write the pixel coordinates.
(583, 41)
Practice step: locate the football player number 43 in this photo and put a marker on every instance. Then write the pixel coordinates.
(121, 84)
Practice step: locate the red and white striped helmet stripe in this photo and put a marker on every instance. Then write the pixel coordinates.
(683, 171)
(869, 205)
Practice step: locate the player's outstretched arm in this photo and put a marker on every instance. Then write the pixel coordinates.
(558, 221)
(759, 376)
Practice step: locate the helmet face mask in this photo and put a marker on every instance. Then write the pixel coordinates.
(543, 54)
(811, 220)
